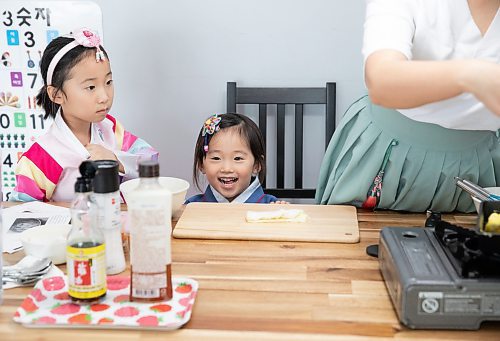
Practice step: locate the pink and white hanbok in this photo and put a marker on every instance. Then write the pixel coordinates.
(47, 171)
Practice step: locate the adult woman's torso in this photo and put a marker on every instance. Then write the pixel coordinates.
(436, 30)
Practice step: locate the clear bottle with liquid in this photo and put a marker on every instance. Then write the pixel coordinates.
(106, 185)
(85, 251)
(150, 214)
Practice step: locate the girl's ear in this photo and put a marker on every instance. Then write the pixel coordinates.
(54, 95)
(201, 169)
(256, 168)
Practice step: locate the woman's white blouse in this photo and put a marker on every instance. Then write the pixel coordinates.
(435, 30)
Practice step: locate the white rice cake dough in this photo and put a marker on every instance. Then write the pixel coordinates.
(278, 216)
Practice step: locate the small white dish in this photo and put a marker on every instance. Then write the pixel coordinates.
(46, 241)
(492, 190)
(178, 188)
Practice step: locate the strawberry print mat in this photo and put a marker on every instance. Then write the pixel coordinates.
(49, 305)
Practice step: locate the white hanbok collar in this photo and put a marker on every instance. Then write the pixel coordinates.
(68, 135)
(240, 198)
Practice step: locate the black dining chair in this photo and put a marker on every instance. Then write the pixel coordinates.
(265, 97)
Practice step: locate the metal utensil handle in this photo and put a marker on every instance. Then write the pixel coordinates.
(471, 190)
(476, 187)
(490, 196)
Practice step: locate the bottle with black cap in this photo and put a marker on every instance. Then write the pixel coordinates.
(150, 214)
(107, 197)
(85, 251)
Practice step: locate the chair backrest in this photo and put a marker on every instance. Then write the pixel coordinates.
(281, 97)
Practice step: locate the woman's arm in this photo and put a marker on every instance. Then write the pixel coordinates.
(395, 82)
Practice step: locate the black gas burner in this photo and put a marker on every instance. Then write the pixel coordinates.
(472, 254)
(441, 277)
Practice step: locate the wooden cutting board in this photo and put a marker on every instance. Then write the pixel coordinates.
(325, 223)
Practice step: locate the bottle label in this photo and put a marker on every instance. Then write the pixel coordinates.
(108, 212)
(86, 267)
(150, 286)
(150, 239)
(150, 252)
(109, 221)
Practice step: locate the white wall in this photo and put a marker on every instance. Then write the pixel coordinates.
(171, 60)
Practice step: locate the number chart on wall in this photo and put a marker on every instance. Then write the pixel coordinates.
(26, 27)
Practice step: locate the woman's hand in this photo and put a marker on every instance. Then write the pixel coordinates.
(482, 79)
(98, 152)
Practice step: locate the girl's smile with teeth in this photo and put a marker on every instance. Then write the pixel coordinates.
(229, 154)
(228, 181)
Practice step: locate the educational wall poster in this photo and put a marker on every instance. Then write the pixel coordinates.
(26, 27)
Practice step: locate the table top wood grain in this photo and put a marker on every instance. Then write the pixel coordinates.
(263, 290)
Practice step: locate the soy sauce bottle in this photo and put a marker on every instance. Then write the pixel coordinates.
(85, 251)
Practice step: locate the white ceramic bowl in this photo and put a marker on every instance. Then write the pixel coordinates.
(46, 241)
(492, 190)
(178, 188)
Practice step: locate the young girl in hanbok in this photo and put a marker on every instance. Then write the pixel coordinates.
(230, 152)
(77, 93)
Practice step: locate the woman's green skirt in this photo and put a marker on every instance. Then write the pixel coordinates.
(380, 158)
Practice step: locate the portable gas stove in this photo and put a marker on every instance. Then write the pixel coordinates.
(446, 277)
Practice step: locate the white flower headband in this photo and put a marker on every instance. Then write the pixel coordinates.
(82, 36)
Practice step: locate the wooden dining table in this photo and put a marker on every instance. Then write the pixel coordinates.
(264, 290)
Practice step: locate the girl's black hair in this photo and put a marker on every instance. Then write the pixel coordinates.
(61, 71)
(247, 129)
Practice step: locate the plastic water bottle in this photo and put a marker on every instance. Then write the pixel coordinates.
(107, 197)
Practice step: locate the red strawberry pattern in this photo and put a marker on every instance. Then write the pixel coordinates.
(63, 296)
(122, 299)
(184, 288)
(45, 320)
(161, 308)
(117, 282)
(37, 294)
(28, 305)
(105, 320)
(148, 321)
(99, 307)
(127, 311)
(65, 309)
(53, 283)
(185, 301)
(80, 319)
(50, 305)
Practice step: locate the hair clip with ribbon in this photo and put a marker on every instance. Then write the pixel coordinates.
(210, 127)
(88, 38)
